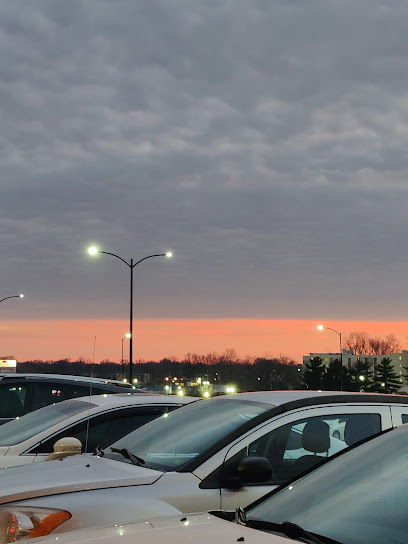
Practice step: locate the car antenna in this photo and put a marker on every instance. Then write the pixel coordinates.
(90, 396)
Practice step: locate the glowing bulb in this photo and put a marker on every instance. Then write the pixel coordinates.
(93, 250)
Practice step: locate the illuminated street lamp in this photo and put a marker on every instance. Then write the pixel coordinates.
(94, 251)
(320, 328)
(13, 296)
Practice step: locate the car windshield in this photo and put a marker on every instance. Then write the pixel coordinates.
(27, 426)
(168, 443)
(360, 497)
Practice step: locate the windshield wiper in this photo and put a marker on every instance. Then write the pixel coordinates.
(99, 451)
(127, 455)
(240, 516)
(292, 530)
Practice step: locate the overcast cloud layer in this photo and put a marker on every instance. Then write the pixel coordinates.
(264, 142)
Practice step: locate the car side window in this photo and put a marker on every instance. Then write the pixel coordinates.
(12, 400)
(298, 446)
(404, 418)
(49, 393)
(104, 429)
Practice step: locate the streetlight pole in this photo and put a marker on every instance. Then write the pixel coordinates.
(127, 335)
(95, 251)
(13, 296)
(320, 328)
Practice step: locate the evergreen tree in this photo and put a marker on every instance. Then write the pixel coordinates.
(387, 380)
(313, 375)
(337, 377)
(362, 377)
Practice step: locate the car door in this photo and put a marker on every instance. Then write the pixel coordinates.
(103, 429)
(281, 441)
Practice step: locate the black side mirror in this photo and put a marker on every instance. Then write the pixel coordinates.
(250, 470)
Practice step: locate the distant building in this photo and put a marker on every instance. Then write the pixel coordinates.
(8, 365)
(349, 359)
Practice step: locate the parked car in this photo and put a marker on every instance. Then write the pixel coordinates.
(23, 393)
(358, 497)
(96, 421)
(219, 453)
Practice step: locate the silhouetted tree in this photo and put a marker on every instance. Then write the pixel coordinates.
(363, 344)
(313, 375)
(386, 379)
(337, 377)
(362, 377)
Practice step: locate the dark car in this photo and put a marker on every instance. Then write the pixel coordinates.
(23, 393)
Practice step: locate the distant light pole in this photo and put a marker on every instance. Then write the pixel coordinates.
(95, 251)
(320, 328)
(127, 335)
(13, 296)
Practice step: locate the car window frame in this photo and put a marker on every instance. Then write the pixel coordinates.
(208, 467)
(29, 451)
(397, 413)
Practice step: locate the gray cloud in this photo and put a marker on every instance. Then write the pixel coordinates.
(264, 142)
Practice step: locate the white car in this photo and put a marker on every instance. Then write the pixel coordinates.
(359, 497)
(95, 421)
(213, 454)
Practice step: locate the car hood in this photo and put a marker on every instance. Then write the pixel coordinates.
(77, 473)
(196, 528)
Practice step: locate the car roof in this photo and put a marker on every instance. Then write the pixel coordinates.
(125, 399)
(278, 398)
(9, 376)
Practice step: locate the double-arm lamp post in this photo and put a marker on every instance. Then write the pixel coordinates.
(13, 296)
(95, 251)
(320, 328)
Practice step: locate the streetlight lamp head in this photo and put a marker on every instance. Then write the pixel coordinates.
(320, 327)
(169, 254)
(21, 295)
(93, 250)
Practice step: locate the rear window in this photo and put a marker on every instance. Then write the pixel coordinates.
(29, 425)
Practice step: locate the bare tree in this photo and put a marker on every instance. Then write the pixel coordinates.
(363, 344)
(358, 342)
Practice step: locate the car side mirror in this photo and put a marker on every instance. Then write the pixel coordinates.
(64, 447)
(250, 470)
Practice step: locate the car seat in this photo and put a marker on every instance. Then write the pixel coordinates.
(316, 439)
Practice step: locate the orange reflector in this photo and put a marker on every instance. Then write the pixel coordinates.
(46, 525)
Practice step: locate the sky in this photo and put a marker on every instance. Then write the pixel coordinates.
(264, 143)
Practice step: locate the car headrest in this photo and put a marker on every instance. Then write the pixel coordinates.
(316, 436)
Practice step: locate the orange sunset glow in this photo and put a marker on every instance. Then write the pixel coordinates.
(156, 339)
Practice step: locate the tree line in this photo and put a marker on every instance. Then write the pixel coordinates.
(247, 374)
(361, 377)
